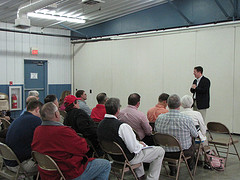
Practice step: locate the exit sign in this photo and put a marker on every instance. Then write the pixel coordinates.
(34, 51)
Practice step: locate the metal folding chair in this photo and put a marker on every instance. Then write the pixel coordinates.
(5, 123)
(170, 141)
(221, 143)
(8, 154)
(112, 148)
(46, 163)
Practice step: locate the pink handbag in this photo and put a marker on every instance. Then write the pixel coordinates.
(214, 161)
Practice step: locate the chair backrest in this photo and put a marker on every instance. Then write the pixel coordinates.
(5, 123)
(166, 140)
(45, 162)
(217, 127)
(111, 148)
(7, 153)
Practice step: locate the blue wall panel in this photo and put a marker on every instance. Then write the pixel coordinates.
(53, 89)
(57, 89)
(164, 16)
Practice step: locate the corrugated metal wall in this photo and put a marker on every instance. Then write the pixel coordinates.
(15, 47)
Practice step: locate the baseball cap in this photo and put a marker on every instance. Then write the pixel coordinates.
(70, 99)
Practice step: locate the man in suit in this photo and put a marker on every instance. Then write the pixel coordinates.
(200, 89)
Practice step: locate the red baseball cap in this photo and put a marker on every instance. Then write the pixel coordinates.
(70, 99)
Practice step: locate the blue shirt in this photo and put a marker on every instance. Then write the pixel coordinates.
(178, 125)
(20, 135)
(83, 105)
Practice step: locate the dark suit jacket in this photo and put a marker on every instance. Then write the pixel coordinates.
(202, 93)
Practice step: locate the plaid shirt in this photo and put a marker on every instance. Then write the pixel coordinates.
(178, 125)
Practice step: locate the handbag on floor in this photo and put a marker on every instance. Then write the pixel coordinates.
(215, 161)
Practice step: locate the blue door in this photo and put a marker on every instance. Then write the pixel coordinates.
(35, 78)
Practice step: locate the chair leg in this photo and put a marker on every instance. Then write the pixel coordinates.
(37, 176)
(124, 166)
(134, 174)
(216, 149)
(226, 155)
(198, 154)
(236, 151)
(178, 168)
(188, 168)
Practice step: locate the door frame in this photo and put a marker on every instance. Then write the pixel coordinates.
(45, 67)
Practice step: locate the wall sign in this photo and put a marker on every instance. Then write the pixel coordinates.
(34, 76)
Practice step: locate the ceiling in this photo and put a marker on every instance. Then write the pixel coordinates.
(93, 14)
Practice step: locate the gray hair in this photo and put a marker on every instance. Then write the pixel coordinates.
(112, 105)
(174, 101)
(48, 111)
(33, 93)
(187, 101)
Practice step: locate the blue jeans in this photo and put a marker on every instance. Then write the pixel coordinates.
(97, 169)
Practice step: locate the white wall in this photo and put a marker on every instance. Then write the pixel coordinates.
(15, 47)
(164, 63)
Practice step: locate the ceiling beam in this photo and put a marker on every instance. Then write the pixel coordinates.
(179, 11)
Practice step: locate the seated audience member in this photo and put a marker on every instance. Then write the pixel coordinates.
(181, 127)
(20, 135)
(53, 98)
(137, 119)
(3, 132)
(66, 148)
(99, 111)
(81, 94)
(187, 102)
(61, 100)
(111, 129)
(29, 98)
(160, 108)
(79, 120)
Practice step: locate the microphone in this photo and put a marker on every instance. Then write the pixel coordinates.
(195, 82)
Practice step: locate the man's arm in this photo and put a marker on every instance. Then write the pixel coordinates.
(145, 125)
(73, 143)
(126, 133)
(194, 85)
(203, 86)
(193, 130)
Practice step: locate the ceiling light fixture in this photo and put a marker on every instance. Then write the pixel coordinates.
(58, 18)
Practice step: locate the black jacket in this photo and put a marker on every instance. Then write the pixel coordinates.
(202, 93)
(81, 122)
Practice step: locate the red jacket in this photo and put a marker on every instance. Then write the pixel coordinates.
(98, 113)
(66, 148)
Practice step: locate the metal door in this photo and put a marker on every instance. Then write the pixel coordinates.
(35, 78)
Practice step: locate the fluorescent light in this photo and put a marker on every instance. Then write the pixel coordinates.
(58, 18)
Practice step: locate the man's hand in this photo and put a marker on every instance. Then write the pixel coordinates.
(194, 86)
(141, 142)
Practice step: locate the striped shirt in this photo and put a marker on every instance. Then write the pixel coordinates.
(178, 125)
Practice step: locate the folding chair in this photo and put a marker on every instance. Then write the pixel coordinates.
(45, 162)
(112, 148)
(5, 123)
(170, 141)
(221, 143)
(8, 154)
